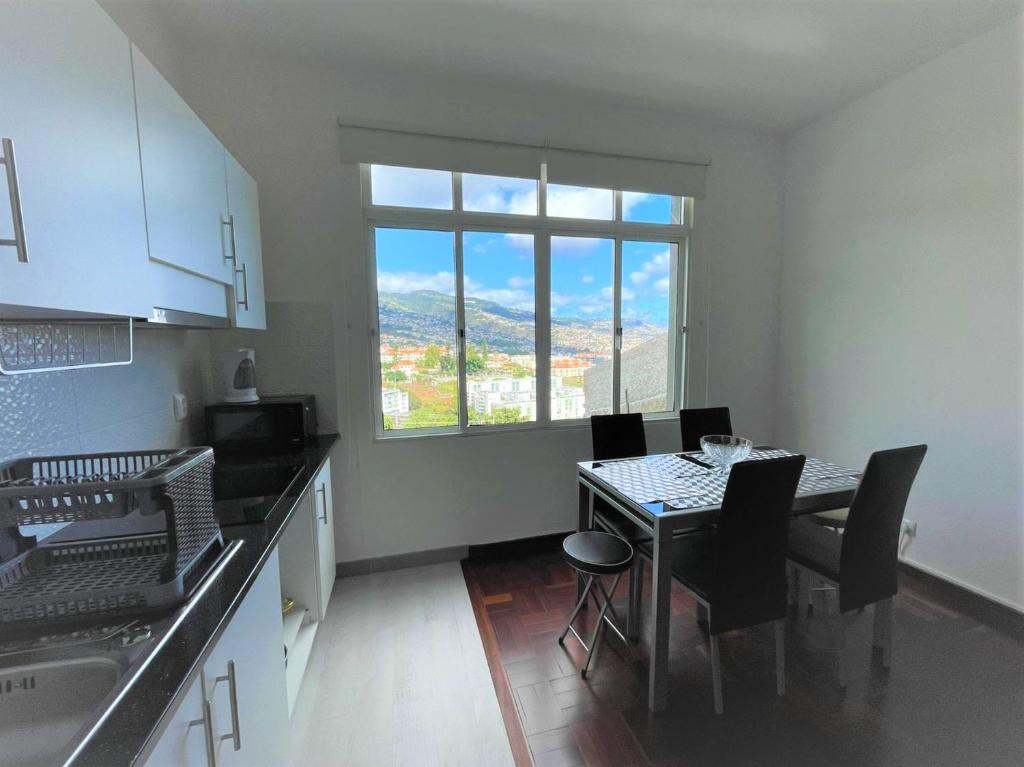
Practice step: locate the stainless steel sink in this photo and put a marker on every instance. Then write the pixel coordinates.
(43, 705)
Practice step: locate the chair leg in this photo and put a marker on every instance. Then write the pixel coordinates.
(883, 630)
(716, 674)
(780, 656)
(636, 590)
(842, 662)
(595, 640)
(576, 610)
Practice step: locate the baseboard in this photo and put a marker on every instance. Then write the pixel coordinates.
(402, 561)
(517, 548)
(982, 607)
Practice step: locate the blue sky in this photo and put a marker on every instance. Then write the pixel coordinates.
(499, 266)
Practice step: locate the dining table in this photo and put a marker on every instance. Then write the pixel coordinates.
(667, 494)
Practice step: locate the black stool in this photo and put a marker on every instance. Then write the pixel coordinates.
(596, 554)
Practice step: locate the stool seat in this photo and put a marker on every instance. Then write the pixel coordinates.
(596, 553)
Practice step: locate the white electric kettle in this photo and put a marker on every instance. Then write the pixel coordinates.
(240, 376)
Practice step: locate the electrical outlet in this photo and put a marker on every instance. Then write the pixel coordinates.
(910, 527)
(180, 407)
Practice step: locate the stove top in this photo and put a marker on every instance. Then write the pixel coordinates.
(247, 491)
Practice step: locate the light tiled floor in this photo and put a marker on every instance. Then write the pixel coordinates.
(398, 677)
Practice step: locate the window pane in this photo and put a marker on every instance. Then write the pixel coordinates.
(416, 300)
(647, 377)
(501, 364)
(581, 326)
(410, 187)
(580, 202)
(499, 194)
(641, 208)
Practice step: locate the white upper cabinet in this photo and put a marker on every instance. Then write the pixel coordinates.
(244, 244)
(68, 112)
(183, 178)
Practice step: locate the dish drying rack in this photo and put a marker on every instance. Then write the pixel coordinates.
(105, 575)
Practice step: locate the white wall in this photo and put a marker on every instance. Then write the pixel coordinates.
(279, 119)
(901, 299)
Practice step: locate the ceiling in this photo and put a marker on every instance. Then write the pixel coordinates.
(771, 63)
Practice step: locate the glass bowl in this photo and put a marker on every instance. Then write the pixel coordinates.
(723, 451)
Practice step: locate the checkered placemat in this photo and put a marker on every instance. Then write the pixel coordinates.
(682, 484)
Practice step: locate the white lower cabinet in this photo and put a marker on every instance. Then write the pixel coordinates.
(324, 524)
(235, 712)
(184, 739)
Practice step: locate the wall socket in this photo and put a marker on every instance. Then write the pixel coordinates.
(909, 527)
(180, 407)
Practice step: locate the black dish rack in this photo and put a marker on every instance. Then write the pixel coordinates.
(105, 575)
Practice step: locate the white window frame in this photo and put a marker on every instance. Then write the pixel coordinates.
(543, 228)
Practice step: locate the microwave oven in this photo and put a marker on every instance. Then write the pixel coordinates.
(272, 425)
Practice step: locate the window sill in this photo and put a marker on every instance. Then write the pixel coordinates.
(492, 431)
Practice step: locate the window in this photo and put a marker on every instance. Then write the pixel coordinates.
(464, 340)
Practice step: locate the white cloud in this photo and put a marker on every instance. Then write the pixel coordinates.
(407, 282)
(520, 282)
(579, 202)
(499, 194)
(586, 279)
(515, 299)
(639, 278)
(573, 246)
(662, 286)
(608, 294)
(631, 200)
(412, 187)
(560, 299)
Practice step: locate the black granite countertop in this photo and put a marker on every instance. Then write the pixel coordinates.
(161, 667)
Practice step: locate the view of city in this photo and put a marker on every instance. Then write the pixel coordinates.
(418, 314)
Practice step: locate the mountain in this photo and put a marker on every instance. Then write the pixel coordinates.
(426, 316)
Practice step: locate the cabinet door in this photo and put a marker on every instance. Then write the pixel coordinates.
(244, 207)
(68, 110)
(182, 743)
(183, 178)
(324, 521)
(251, 649)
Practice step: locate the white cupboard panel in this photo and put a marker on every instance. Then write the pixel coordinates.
(253, 645)
(324, 522)
(182, 743)
(68, 108)
(244, 234)
(183, 178)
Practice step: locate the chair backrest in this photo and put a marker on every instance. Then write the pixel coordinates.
(749, 567)
(698, 422)
(870, 548)
(618, 436)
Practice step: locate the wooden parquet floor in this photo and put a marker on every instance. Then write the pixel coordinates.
(954, 694)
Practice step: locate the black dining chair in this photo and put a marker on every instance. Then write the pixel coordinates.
(861, 563)
(737, 571)
(695, 423)
(613, 437)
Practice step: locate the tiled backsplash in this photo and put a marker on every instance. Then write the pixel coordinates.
(130, 407)
(113, 408)
(294, 355)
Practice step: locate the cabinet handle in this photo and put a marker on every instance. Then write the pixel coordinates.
(236, 731)
(230, 223)
(322, 492)
(12, 188)
(244, 303)
(206, 722)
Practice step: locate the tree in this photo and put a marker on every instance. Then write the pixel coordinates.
(474, 360)
(432, 356)
(506, 415)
